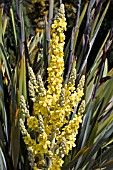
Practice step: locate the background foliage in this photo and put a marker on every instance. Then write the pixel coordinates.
(20, 45)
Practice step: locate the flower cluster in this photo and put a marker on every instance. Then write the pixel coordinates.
(54, 132)
(56, 67)
(70, 131)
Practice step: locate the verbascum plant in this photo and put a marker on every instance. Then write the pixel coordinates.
(50, 133)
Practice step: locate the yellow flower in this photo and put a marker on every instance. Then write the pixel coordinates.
(28, 141)
(56, 163)
(32, 123)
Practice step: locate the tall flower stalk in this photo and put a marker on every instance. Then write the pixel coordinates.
(54, 132)
(56, 67)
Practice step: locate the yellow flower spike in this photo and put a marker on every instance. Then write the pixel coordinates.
(71, 82)
(31, 91)
(32, 78)
(71, 130)
(56, 67)
(80, 88)
(62, 98)
(41, 88)
(22, 127)
(26, 136)
(23, 106)
(81, 108)
(72, 96)
(40, 105)
(31, 157)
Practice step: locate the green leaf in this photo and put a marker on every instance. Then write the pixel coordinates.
(90, 45)
(94, 25)
(76, 32)
(105, 123)
(106, 94)
(98, 58)
(5, 61)
(99, 142)
(15, 143)
(5, 25)
(75, 159)
(1, 15)
(14, 28)
(33, 43)
(105, 68)
(22, 79)
(106, 155)
(108, 165)
(4, 117)
(102, 17)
